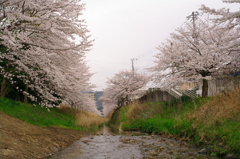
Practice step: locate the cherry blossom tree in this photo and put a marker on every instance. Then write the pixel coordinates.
(226, 19)
(196, 52)
(45, 43)
(122, 88)
(107, 108)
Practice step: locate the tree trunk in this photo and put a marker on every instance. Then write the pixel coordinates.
(205, 88)
(126, 100)
(3, 90)
(120, 102)
(3, 87)
(25, 100)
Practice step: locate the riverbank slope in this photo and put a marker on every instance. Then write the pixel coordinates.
(212, 122)
(26, 141)
(31, 131)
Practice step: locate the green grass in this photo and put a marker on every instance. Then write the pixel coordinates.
(40, 116)
(168, 118)
(224, 136)
(190, 119)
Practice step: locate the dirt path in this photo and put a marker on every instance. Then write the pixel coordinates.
(19, 139)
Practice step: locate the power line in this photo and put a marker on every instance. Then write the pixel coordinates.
(146, 53)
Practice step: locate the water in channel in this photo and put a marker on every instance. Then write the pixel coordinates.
(107, 145)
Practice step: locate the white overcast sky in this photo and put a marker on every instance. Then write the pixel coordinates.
(127, 29)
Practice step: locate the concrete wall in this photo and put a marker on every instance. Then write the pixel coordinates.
(156, 96)
(222, 84)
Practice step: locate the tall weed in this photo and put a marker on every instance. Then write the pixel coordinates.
(88, 119)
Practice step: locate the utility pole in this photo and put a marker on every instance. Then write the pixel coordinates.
(133, 63)
(193, 17)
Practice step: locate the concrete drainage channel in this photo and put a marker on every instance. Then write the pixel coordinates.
(107, 145)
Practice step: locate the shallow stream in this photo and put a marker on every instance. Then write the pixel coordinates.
(108, 145)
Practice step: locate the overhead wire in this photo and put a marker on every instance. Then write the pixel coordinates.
(150, 52)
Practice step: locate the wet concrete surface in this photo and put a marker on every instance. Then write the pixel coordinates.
(107, 145)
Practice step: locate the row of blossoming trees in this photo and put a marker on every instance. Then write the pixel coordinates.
(198, 51)
(122, 88)
(43, 45)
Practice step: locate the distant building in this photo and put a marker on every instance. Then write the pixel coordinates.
(90, 94)
(98, 94)
(96, 97)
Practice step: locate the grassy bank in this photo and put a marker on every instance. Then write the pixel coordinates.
(213, 122)
(63, 117)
